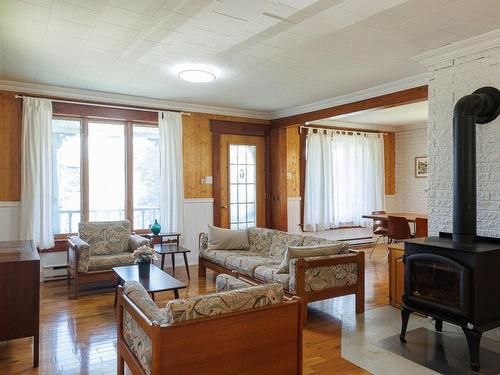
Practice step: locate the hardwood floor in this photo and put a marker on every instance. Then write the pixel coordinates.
(79, 337)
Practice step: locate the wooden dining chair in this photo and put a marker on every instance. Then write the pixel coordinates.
(380, 228)
(421, 227)
(398, 229)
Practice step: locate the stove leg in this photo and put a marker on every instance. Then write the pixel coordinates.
(405, 316)
(473, 340)
(439, 325)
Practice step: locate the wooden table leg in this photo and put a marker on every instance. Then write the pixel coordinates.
(118, 280)
(176, 293)
(173, 264)
(186, 264)
(153, 296)
(162, 261)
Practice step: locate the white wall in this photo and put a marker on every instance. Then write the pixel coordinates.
(411, 192)
(449, 82)
(9, 221)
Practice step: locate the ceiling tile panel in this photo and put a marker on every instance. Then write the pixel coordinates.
(123, 17)
(72, 13)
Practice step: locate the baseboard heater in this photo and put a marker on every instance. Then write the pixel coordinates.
(55, 272)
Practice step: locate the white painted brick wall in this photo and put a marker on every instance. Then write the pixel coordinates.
(448, 84)
(411, 192)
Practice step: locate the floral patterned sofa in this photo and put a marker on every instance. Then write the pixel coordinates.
(100, 246)
(312, 278)
(209, 334)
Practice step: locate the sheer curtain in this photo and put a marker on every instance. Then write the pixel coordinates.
(344, 178)
(35, 217)
(171, 172)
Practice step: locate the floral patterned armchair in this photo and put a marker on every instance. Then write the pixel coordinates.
(100, 246)
(210, 334)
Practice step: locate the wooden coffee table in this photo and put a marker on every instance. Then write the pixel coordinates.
(158, 280)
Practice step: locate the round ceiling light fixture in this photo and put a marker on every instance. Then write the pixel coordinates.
(196, 75)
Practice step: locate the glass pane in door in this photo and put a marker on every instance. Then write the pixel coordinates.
(106, 171)
(242, 186)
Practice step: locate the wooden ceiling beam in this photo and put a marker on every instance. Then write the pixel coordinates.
(408, 96)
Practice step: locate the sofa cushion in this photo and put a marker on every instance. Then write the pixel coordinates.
(106, 262)
(138, 295)
(225, 283)
(281, 241)
(270, 274)
(259, 240)
(217, 256)
(227, 239)
(105, 237)
(247, 263)
(226, 302)
(310, 251)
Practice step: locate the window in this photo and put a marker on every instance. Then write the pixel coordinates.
(66, 175)
(120, 178)
(146, 175)
(242, 185)
(106, 145)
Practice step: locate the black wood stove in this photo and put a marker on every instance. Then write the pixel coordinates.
(456, 277)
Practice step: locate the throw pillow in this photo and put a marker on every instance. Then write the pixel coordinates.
(311, 251)
(227, 239)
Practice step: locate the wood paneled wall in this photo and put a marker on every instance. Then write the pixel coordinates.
(390, 163)
(293, 161)
(279, 217)
(197, 149)
(10, 146)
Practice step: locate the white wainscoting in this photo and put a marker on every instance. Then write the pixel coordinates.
(9, 221)
(198, 214)
(293, 207)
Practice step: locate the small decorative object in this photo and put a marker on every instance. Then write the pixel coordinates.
(143, 256)
(156, 227)
(421, 166)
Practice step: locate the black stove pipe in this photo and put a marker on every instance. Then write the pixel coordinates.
(481, 107)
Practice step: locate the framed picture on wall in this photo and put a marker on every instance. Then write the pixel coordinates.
(421, 166)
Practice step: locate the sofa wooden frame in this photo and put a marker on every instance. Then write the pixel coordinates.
(302, 265)
(84, 277)
(220, 344)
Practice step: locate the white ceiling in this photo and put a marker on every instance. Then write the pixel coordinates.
(270, 54)
(408, 114)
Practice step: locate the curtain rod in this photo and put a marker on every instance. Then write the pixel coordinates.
(338, 129)
(103, 105)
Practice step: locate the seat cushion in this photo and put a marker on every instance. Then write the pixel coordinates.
(269, 274)
(106, 262)
(106, 237)
(216, 256)
(247, 263)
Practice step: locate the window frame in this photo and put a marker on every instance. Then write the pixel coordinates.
(128, 125)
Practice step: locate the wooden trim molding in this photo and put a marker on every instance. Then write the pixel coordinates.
(122, 114)
(413, 95)
(239, 128)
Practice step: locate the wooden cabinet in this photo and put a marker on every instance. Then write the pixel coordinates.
(20, 292)
(396, 274)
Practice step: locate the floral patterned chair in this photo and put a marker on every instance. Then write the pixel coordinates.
(100, 246)
(241, 329)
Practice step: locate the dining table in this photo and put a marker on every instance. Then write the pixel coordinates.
(410, 216)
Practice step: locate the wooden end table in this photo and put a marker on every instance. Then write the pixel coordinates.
(163, 249)
(158, 280)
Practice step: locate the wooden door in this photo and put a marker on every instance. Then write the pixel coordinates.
(242, 181)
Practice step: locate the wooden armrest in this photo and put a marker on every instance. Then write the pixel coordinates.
(331, 261)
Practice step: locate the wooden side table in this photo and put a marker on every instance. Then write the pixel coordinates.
(163, 249)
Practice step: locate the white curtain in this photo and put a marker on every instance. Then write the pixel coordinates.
(344, 179)
(171, 172)
(35, 218)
